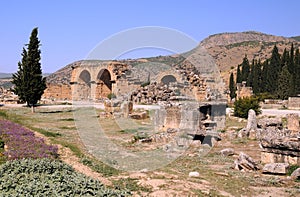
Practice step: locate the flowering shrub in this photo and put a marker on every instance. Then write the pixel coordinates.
(22, 143)
(44, 177)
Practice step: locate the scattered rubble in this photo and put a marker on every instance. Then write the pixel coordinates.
(245, 163)
(270, 122)
(296, 174)
(194, 174)
(227, 152)
(293, 123)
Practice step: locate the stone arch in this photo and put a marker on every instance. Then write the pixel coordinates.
(103, 84)
(167, 79)
(84, 85)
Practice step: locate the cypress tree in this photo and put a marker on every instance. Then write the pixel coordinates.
(292, 69)
(245, 68)
(274, 69)
(284, 84)
(264, 74)
(250, 75)
(29, 82)
(285, 58)
(232, 87)
(297, 68)
(256, 77)
(238, 74)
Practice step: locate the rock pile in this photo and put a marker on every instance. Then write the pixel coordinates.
(245, 163)
(152, 94)
(8, 97)
(281, 145)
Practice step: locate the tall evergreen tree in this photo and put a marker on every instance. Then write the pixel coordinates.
(250, 75)
(292, 69)
(285, 58)
(297, 68)
(232, 87)
(29, 82)
(256, 77)
(264, 74)
(273, 72)
(284, 83)
(238, 74)
(245, 69)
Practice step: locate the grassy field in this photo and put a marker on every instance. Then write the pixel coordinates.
(217, 177)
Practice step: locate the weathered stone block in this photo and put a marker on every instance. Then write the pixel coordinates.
(293, 122)
(276, 168)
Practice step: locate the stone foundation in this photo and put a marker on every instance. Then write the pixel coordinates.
(267, 157)
(58, 92)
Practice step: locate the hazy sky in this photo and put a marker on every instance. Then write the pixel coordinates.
(70, 29)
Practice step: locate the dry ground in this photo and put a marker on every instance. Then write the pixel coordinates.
(217, 177)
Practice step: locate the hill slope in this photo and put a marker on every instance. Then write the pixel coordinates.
(226, 49)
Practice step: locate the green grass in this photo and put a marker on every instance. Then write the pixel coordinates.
(3, 114)
(99, 167)
(131, 185)
(67, 119)
(45, 133)
(64, 134)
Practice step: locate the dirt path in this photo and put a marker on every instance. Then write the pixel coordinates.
(67, 156)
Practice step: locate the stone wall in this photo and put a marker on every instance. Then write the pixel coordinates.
(294, 103)
(242, 91)
(58, 92)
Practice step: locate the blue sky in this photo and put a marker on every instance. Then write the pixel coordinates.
(70, 29)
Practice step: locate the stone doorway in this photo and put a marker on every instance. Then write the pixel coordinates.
(103, 84)
(84, 85)
(166, 80)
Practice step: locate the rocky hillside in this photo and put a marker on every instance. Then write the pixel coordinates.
(227, 51)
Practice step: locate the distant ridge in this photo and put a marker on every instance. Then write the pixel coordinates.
(226, 49)
(5, 75)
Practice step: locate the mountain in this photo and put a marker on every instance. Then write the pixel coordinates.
(5, 75)
(225, 49)
(228, 49)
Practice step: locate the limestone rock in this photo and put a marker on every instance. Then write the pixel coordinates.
(252, 123)
(293, 122)
(227, 152)
(270, 122)
(243, 133)
(276, 168)
(296, 174)
(139, 116)
(194, 174)
(245, 163)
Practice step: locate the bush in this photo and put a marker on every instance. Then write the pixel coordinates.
(111, 96)
(44, 177)
(145, 84)
(242, 106)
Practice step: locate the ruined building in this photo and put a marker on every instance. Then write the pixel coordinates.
(142, 83)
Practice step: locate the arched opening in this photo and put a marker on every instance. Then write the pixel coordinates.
(104, 84)
(167, 79)
(84, 89)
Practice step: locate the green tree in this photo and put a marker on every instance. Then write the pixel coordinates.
(297, 67)
(245, 68)
(238, 74)
(29, 82)
(232, 87)
(284, 84)
(273, 71)
(256, 77)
